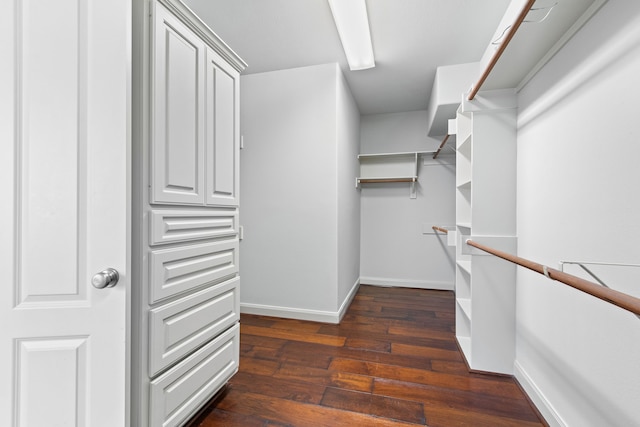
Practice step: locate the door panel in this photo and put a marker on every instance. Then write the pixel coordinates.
(178, 131)
(222, 132)
(64, 123)
(49, 146)
(37, 381)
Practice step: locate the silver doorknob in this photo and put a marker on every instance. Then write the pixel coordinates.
(105, 279)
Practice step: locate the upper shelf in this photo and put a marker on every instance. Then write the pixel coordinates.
(547, 26)
(403, 153)
(390, 167)
(450, 81)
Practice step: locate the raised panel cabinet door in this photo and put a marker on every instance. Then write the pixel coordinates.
(177, 137)
(222, 132)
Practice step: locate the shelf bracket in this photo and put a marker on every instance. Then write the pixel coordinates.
(413, 194)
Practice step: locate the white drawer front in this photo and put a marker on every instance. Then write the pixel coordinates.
(169, 226)
(178, 328)
(177, 394)
(177, 270)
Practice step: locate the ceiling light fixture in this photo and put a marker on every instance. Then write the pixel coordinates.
(351, 20)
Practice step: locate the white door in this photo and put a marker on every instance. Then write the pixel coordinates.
(64, 136)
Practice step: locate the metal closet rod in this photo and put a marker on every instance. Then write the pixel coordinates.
(614, 297)
(498, 53)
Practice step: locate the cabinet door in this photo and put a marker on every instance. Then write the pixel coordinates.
(222, 132)
(177, 139)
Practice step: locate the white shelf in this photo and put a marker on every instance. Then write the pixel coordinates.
(381, 168)
(465, 305)
(404, 153)
(388, 167)
(465, 185)
(464, 145)
(463, 128)
(365, 179)
(464, 225)
(464, 265)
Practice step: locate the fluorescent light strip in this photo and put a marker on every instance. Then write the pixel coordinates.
(351, 20)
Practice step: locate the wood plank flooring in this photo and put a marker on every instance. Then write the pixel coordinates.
(392, 361)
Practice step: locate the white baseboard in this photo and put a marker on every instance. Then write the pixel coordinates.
(301, 313)
(538, 398)
(421, 284)
(347, 301)
(290, 313)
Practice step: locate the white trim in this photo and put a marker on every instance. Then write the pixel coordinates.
(538, 398)
(347, 301)
(301, 313)
(290, 313)
(421, 284)
(197, 25)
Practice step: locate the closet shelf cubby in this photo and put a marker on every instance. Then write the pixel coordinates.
(390, 168)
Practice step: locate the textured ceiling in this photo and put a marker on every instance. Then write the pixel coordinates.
(410, 39)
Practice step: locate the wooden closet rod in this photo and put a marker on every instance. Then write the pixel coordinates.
(384, 180)
(444, 141)
(496, 55)
(614, 297)
(440, 229)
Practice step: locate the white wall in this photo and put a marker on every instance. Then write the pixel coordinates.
(394, 250)
(289, 198)
(578, 173)
(348, 146)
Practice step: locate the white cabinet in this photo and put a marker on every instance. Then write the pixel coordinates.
(185, 284)
(195, 137)
(485, 212)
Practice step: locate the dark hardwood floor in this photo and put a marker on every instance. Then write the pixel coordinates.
(392, 361)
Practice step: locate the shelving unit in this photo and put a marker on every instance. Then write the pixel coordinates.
(485, 129)
(390, 168)
(485, 211)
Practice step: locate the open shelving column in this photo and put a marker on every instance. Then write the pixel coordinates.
(485, 212)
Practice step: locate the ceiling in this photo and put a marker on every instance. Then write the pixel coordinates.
(410, 39)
